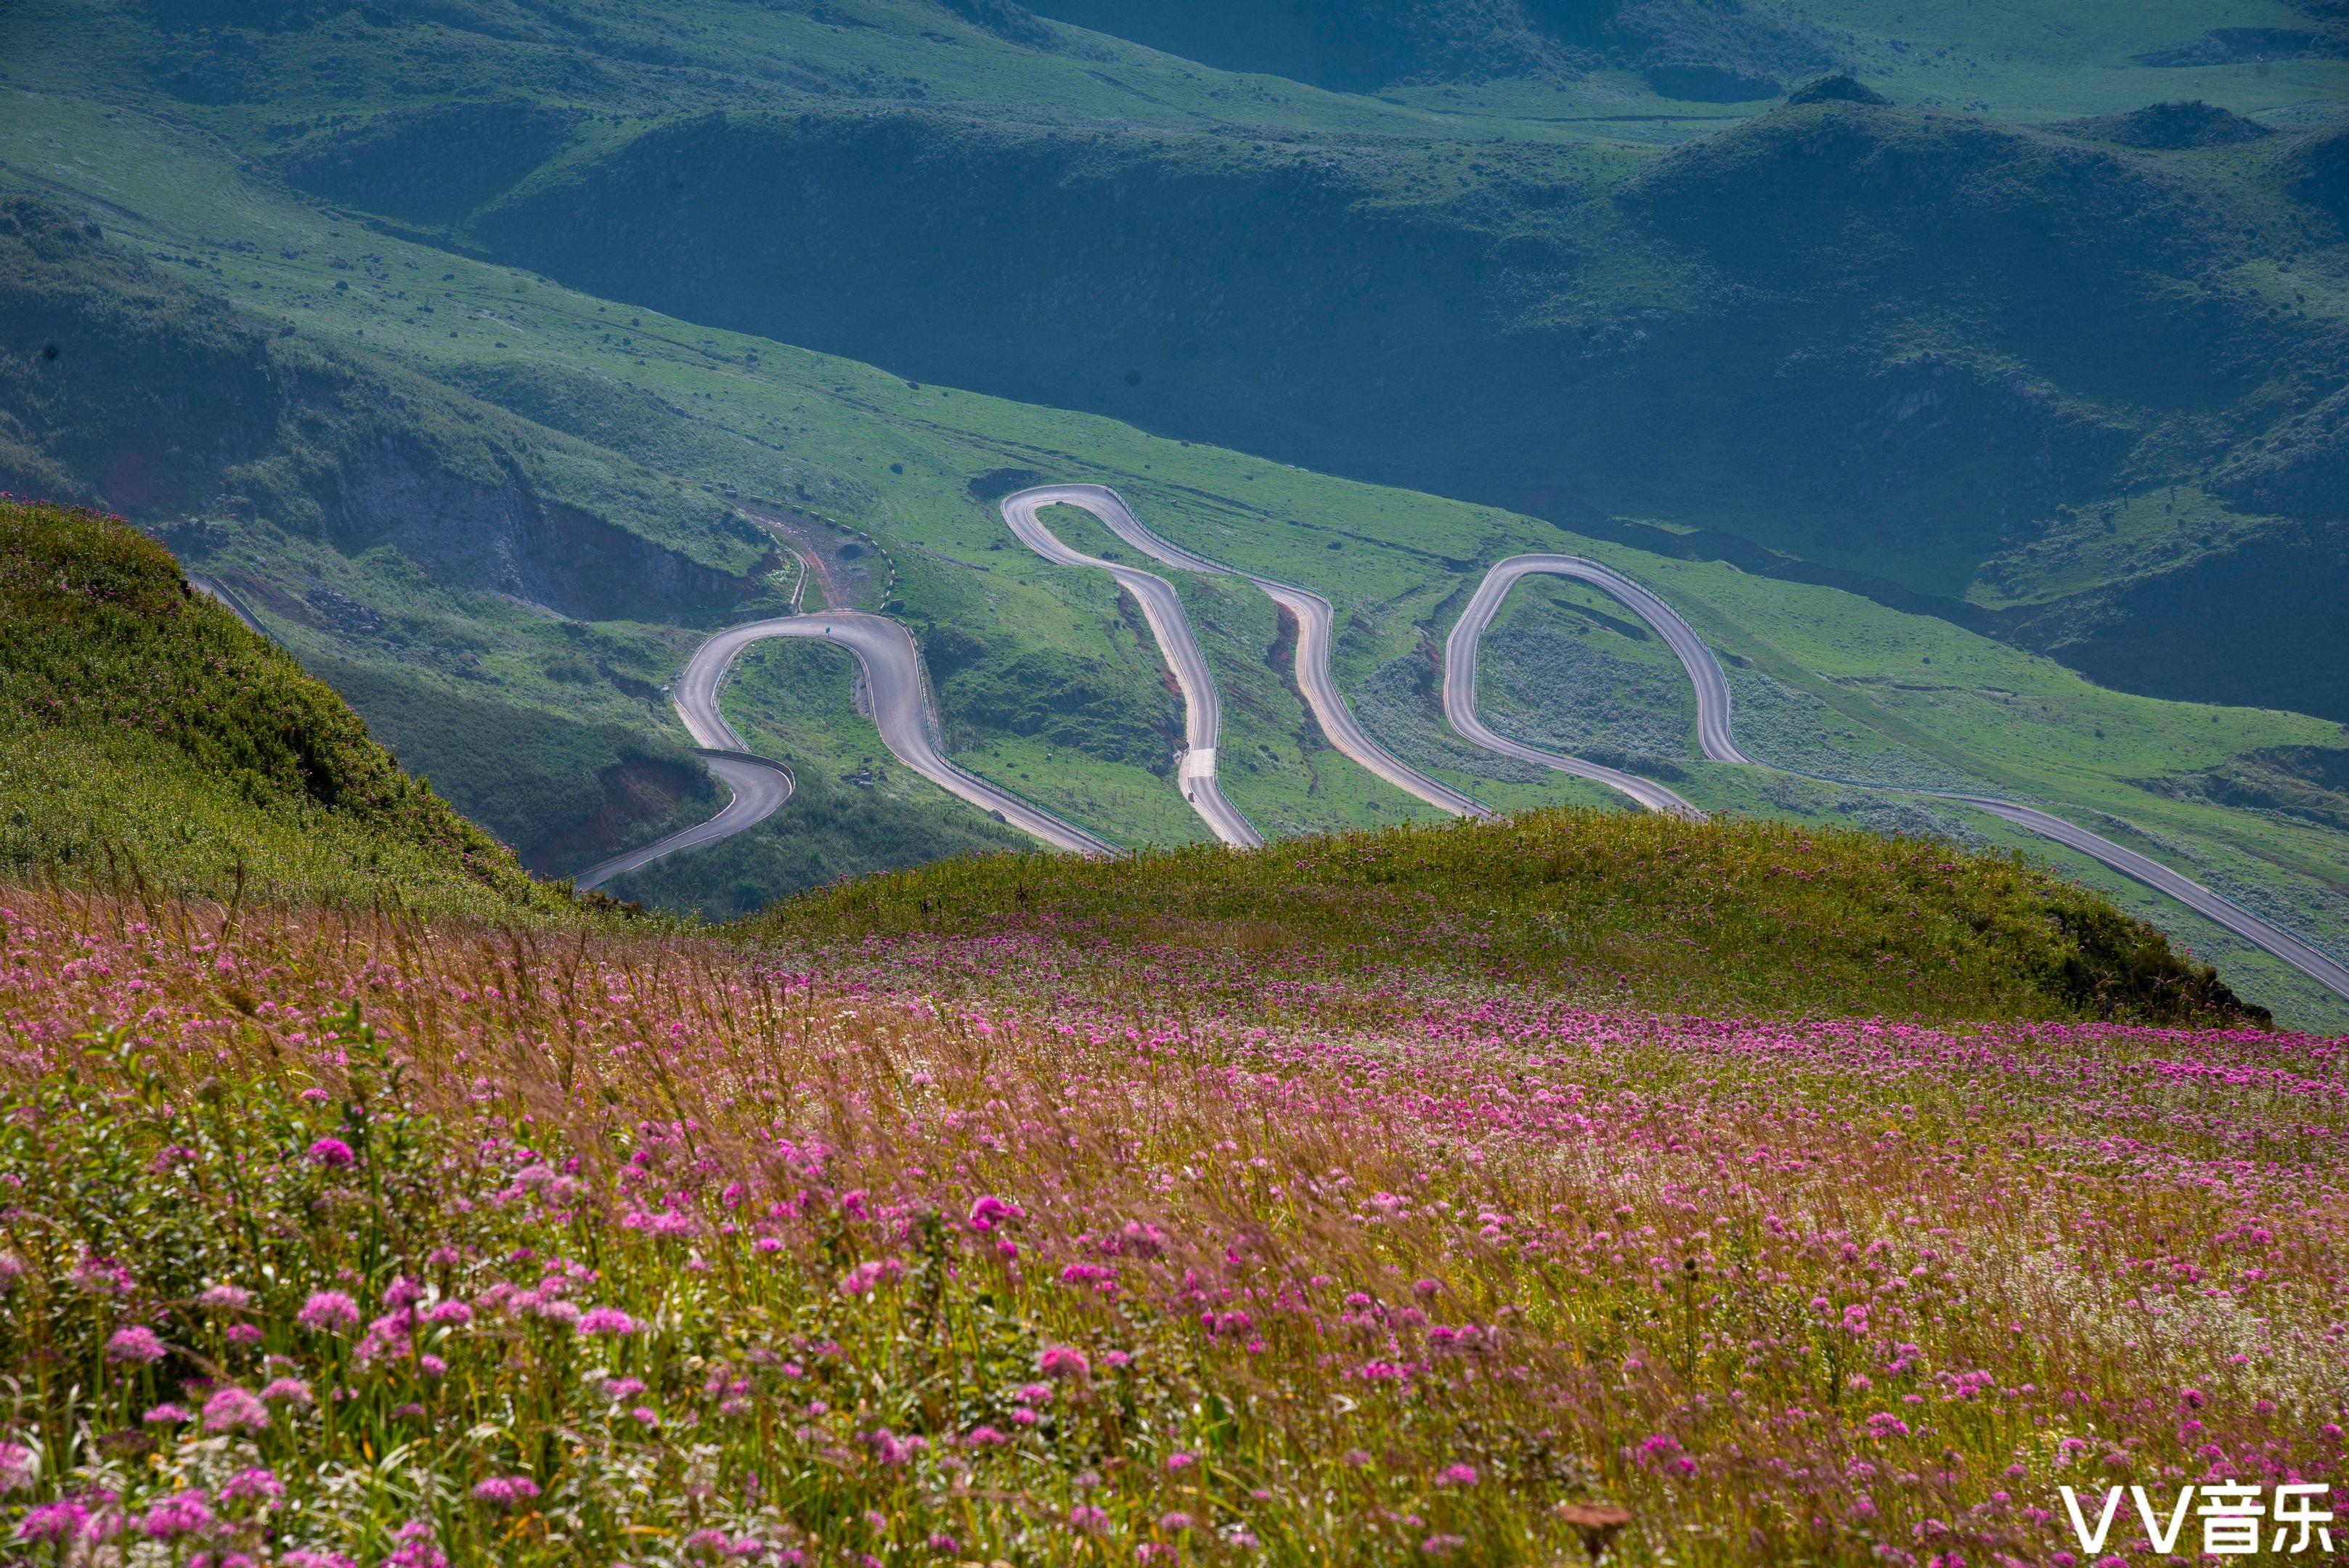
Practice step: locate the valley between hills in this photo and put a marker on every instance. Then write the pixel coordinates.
(1954, 560)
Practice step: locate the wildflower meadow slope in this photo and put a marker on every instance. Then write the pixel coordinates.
(337, 1239)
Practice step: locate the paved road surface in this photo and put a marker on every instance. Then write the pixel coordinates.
(1203, 719)
(1314, 617)
(1715, 737)
(1460, 687)
(893, 673)
(229, 602)
(760, 789)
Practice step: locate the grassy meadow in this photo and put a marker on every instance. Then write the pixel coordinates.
(968, 1217)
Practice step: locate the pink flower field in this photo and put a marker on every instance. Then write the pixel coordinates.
(331, 1240)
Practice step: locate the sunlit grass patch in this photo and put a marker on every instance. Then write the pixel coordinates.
(1747, 913)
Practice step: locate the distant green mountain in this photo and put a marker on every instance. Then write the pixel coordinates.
(492, 352)
(1901, 345)
(1904, 348)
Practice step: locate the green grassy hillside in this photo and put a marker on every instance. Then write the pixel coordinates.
(1707, 53)
(715, 405)
(132, 389)
(1599, 907)
(1902, 346)
(147, 740)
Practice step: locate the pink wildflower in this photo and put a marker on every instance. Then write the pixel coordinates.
(506, 1491)
(988, 1213)
(137, 1345)
(234, 1409)
(182, 1513)
(866, 1275)
(1063, 1361)
(415, 1547)
(60, 1522)
(328, 1310)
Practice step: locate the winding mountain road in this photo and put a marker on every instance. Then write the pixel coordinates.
(893, 673)
(1718, 743)
(1203, 719)
(892, 667)
(1315, 620)
(901, 711)
(760, 789)
(1460, 681)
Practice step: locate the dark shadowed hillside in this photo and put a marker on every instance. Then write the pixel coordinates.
(127, 388)
(1721, 51)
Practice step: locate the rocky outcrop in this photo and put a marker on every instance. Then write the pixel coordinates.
(503, 538)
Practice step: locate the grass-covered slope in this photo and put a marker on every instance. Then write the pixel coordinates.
(1758, 337)
(128, 387)
(160, 395)
(145, 736)
(1898, 696)
(1699, 51)
(1742, 916)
